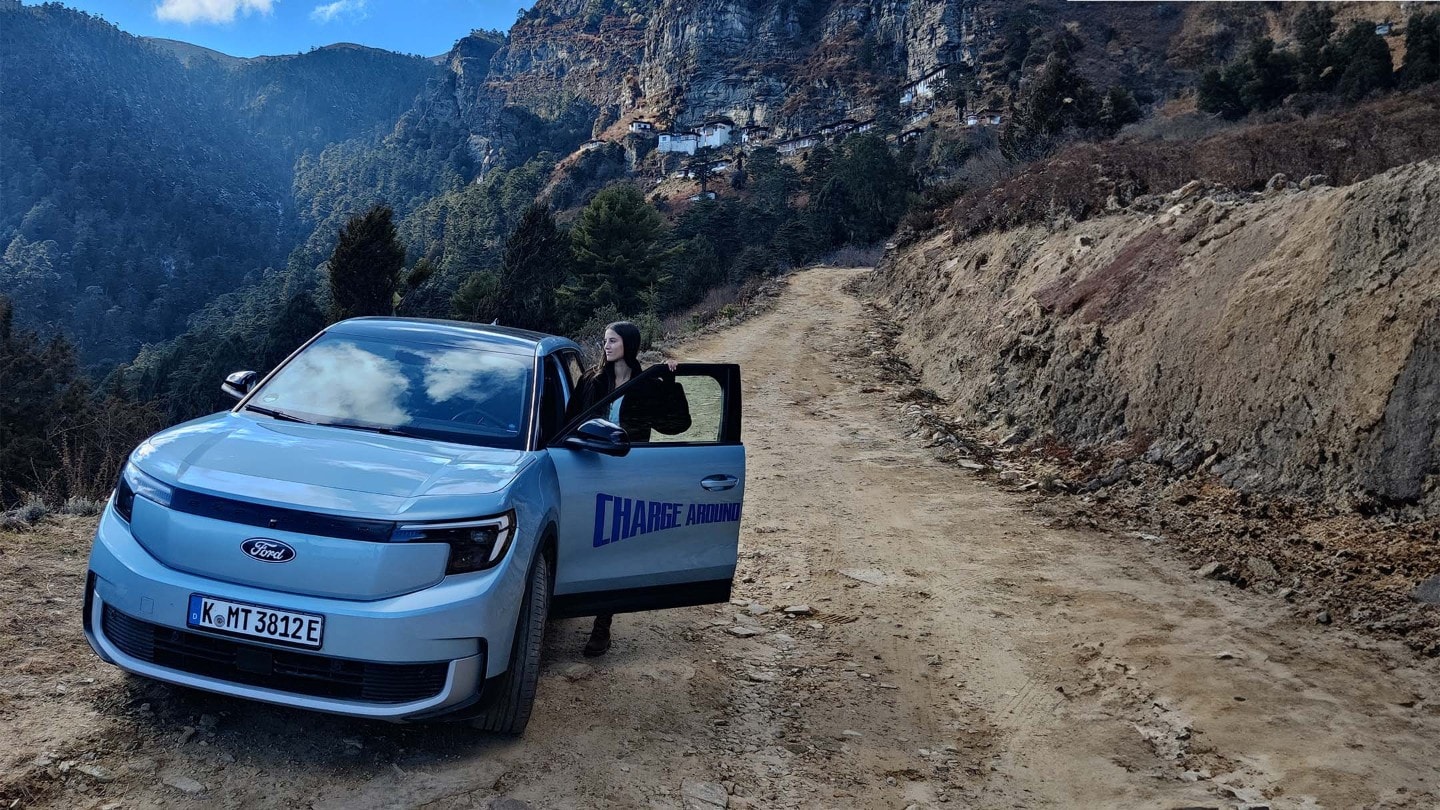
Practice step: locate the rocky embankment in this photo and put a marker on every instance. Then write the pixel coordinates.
(1253, 375)
(1287, 342)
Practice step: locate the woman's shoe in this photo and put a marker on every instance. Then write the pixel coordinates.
(599, 637)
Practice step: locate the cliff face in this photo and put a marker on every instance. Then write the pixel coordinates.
(790, 64)
(1287, 342)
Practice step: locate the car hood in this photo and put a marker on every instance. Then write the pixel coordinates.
(335, 469)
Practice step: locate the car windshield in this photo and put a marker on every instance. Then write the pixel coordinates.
(448, 393)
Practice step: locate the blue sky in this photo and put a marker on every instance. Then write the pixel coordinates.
(255, 27)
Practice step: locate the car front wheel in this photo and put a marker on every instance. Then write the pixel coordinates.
(511, 711)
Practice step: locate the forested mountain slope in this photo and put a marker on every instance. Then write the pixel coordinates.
(130, 192)
(135, 188)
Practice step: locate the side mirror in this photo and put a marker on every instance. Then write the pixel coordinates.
(598, 436)
(239, 384)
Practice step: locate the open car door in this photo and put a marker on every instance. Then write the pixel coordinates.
(652, 479)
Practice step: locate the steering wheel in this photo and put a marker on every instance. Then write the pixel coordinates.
(481, 418)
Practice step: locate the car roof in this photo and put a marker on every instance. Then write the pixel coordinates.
(453, 333)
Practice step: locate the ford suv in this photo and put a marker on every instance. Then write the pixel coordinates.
(381, 526)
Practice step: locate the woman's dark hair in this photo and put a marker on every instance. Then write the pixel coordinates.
(603, 374)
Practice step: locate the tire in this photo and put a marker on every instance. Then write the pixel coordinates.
(511, 711)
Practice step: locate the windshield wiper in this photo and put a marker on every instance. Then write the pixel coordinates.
(274, 414)
(388, 431)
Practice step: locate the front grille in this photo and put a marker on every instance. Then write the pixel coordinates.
(279, 518)
(255, 665)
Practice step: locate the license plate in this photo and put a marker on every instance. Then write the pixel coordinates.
(255, 621)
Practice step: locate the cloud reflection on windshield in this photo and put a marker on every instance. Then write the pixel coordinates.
(471, 375)
(342, 380)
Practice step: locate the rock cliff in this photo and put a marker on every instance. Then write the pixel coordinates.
(1286, 341)
(790, 64)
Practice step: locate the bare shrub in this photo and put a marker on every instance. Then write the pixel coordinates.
(854, 256)
(82, 507)
(986, 169)
(25, 515)
(926, 212)
(1187, 126)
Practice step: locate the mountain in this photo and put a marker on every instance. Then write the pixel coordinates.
(143, 177)
(305, 101)
(130, 193)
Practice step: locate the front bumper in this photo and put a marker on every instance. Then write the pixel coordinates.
(407, 657)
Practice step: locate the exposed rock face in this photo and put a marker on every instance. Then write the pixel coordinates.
(791, 65)
(1289, 342)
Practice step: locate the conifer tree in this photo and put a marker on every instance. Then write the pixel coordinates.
(292, 325)
(1058, 100)
(1366, 60)
(1422, 49)
(1117, 109)
(1271, 75)
(619, 250)
(534, 266)
(365, 267)
(1313, 27)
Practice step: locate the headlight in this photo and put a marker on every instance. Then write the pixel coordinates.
(132, 483)
(474, 544)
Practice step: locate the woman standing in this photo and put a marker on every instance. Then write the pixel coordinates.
(657, 405)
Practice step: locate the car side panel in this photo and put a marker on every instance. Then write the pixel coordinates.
(645, 520)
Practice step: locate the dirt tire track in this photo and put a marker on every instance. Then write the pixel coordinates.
(959, 653)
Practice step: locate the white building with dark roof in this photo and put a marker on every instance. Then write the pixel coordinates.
(923, 87)
(715, 132)
(793, 145)
(683, 142)
(837, 129)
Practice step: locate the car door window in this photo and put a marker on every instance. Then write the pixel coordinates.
(573, 369)
(552, 401)
(685, 408)
(705, 403)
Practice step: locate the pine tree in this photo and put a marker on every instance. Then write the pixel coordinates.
(475, 300)
(365, 267)
(1117, 109)
(1366, 61)
(1217, 92)
(1422, 49)
(536, 261)
(1313, 28)
(875, 189)
(619, 252)
(1058, 100)
(1271, 75)
(43, 396)
(293, 324)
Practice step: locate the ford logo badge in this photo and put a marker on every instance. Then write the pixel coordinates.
(266, 550)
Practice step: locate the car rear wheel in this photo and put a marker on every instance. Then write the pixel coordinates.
(511, 711)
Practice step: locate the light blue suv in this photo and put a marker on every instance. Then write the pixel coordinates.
(381, 526)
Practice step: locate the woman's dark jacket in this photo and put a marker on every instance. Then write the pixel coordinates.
(655, 403)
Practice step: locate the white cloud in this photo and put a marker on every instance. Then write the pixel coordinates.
(330, 12)
(342, 381)
(209, 11)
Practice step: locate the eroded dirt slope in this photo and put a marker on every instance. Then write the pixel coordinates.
(1287, 342)
(962, 651)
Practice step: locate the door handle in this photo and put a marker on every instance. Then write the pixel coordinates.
(717, 483)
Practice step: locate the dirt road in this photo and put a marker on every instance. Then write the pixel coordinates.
(959, 652)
